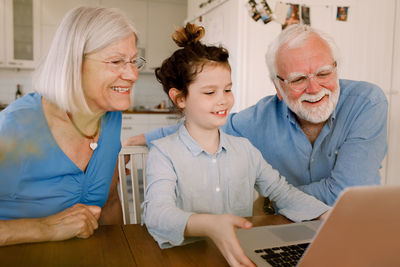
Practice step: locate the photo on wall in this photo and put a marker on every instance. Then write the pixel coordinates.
(342, 13)
(293, 16)
(252, 7)
(305, 15)
(265, 12)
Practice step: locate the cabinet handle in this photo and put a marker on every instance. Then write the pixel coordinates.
(127, 128)
(172, 117)
(14, 63)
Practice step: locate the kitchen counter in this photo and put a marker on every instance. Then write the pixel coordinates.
(167, 111)
(150, 111)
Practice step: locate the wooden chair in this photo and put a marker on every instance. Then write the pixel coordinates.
(132, 158)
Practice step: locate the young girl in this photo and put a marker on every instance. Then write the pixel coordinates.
(200, 181)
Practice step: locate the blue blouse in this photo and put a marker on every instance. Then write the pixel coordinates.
(36, 178)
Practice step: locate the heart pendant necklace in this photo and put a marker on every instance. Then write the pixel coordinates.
(93, 144)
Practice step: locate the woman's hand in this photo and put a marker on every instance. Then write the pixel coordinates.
(77, 221)
(222, 230)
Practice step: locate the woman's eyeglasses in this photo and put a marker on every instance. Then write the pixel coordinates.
(119, 64)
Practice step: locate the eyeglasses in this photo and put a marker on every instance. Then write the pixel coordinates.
(119, 64)
(300, 81)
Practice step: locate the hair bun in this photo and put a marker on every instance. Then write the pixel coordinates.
(191, 34)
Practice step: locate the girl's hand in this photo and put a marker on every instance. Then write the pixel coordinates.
(325, 215)
(222, 230)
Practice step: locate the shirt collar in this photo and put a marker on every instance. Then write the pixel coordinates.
(193, 146)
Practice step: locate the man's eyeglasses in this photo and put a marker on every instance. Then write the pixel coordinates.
(119, 64)
(300, 81)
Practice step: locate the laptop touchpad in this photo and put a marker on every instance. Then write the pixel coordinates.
(295, 233)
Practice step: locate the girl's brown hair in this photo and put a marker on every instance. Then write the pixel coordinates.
(180, 70)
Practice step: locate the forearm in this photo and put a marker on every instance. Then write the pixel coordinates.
(161, 132)
(198, 225)
(23, 231)
(138, 140)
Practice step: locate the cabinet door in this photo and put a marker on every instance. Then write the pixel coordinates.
(22, 33)
(164, 17)
(2, 34)
(136, 11)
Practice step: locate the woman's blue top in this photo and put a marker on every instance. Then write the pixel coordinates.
(36, 178)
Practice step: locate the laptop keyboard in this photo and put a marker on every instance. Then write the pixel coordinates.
(283, 256)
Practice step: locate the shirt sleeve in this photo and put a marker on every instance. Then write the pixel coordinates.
(291, 202)
(236, 122)
(359, 158)
(161, 132)
(164, 220)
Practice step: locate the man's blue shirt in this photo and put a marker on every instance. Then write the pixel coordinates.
(347, 152)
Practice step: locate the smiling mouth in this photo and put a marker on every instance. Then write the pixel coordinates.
(312, 101)
(120, 89)
(222, 112)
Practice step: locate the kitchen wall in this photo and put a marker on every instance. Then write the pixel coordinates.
(154, 19)
(9, 79)
(148, 92)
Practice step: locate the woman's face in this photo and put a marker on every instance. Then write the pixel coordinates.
(106, 80)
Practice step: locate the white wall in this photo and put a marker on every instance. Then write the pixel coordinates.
(393, 155)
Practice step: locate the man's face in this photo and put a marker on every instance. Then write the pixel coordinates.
(311, 98)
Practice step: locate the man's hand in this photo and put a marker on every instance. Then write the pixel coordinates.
(137, 140)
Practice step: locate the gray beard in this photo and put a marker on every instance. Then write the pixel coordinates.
(318, 114)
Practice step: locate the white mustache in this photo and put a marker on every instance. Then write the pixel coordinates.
(314, 98)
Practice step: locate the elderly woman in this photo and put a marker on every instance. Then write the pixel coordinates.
(59, 145)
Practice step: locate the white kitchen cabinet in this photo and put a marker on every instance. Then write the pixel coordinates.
(135, 124)
(163, 18)
(155, 21)
(52, 12)
(19, 33)
(136, 11)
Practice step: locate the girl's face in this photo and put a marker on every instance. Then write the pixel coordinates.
(209, 99)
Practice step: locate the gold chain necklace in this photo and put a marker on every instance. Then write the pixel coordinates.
(93, 144)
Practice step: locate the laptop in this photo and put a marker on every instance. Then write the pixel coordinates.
(363, 229)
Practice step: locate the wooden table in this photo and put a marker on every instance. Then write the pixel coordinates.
(107, 247)
(202, 253)
(120, 245)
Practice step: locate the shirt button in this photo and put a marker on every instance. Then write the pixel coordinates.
(217, 189)
(214, 160)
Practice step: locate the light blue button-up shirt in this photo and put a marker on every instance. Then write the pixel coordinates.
(348, 151)
(183, 179)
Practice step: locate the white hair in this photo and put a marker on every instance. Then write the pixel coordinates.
(294, 36)
(83, 30)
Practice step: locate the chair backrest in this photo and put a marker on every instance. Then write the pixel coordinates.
(132, 158)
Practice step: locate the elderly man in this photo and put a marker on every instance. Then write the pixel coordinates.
(323, 134)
